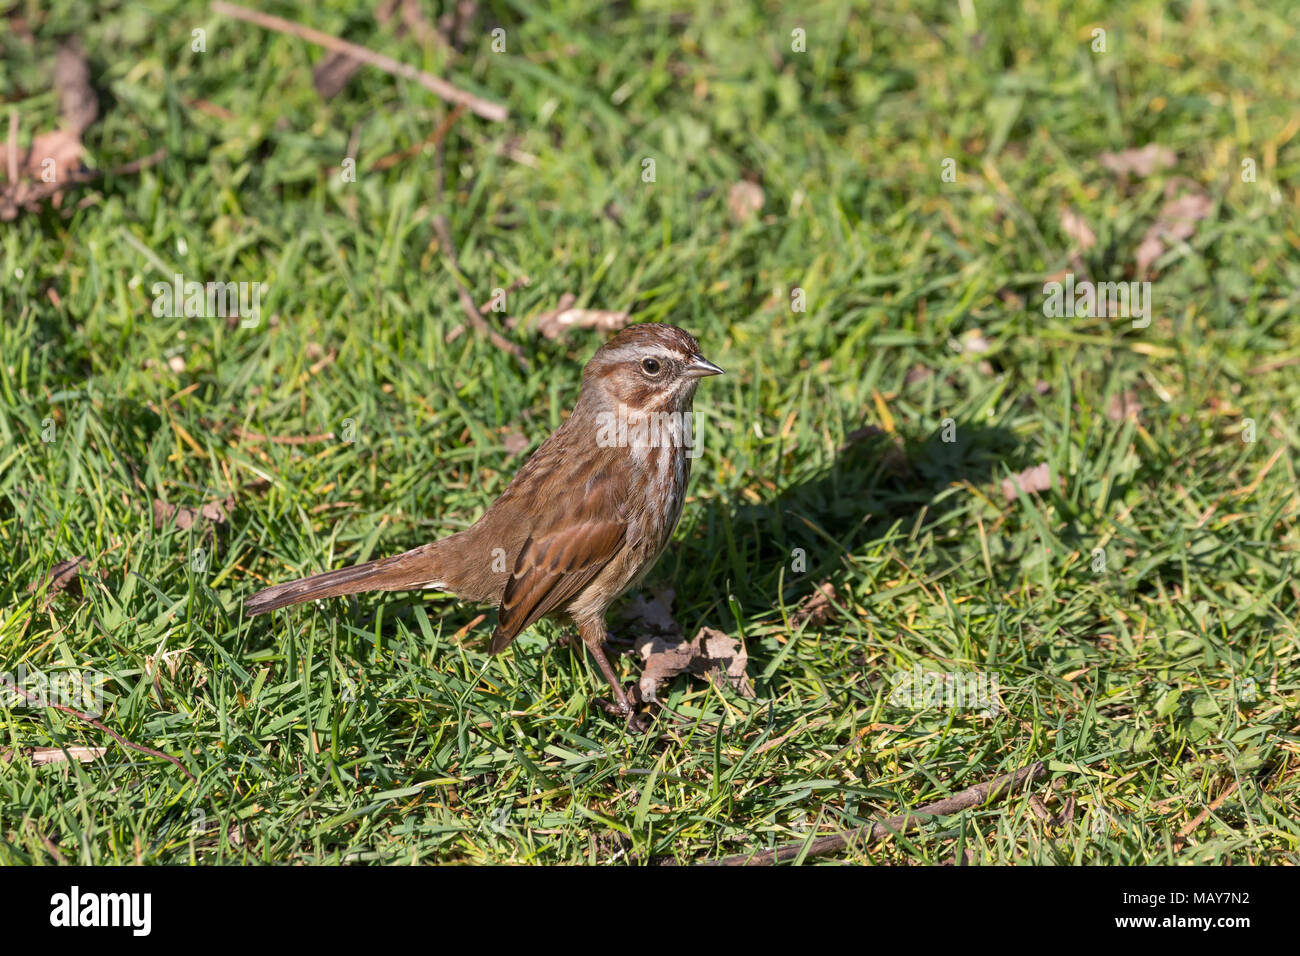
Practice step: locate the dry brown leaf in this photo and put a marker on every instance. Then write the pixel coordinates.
(709, 654)
(1176, 222)
(664, 660)
(1076, 229)
(78, 106)
(214, 512)
(1038, 478)
(725, 660)
(659, 643)
(817, 608)
(77, 110)
(563, 317)
(516, 442)
(64, 576)
(1142, 162)
(59, 151)
(61, 146)
(745, 201)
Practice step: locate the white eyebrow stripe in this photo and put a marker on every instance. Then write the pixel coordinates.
(627, 352)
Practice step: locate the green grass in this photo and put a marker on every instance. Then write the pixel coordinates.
(365, 730)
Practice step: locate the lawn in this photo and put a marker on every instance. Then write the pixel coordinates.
(897, 379)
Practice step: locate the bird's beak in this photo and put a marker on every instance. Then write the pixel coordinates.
(700, 366)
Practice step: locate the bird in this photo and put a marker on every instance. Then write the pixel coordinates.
(583, 520)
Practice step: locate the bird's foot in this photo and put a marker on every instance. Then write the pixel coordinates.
(638, 722)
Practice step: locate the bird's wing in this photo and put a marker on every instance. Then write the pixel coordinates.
(552, 568)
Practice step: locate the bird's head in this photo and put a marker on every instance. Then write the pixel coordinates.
(648, 367)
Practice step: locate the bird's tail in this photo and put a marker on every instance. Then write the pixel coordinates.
(402, 572)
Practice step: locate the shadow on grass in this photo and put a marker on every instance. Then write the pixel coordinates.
(872, 484)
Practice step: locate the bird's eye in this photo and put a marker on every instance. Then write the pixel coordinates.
(650, 366)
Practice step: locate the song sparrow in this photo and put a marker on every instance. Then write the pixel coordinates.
(585, 518)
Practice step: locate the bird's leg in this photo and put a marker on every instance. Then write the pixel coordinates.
(593, 635)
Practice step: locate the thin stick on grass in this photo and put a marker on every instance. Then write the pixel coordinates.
(433, 139)
(477, 105)
(50, 845)
(1185, 833)
(28, 195)
(135, 165)
(476, 320)
(519, 283)
(467, 305)
(95, 722)
(978, 795)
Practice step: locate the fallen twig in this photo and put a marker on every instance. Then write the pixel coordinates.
(519, 283)
(134, 166)
(773, 744)
(1185, 833)
(95, 722)
(975, 796)
(44, 756)
(466, 300)
(476, 105)
(449, 249)
(334, 72)
(433, 139)
(50, 845)
(29, 194)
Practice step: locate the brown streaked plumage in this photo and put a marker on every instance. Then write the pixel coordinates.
(584, 519)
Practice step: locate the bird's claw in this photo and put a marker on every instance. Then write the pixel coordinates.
(625, 707)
